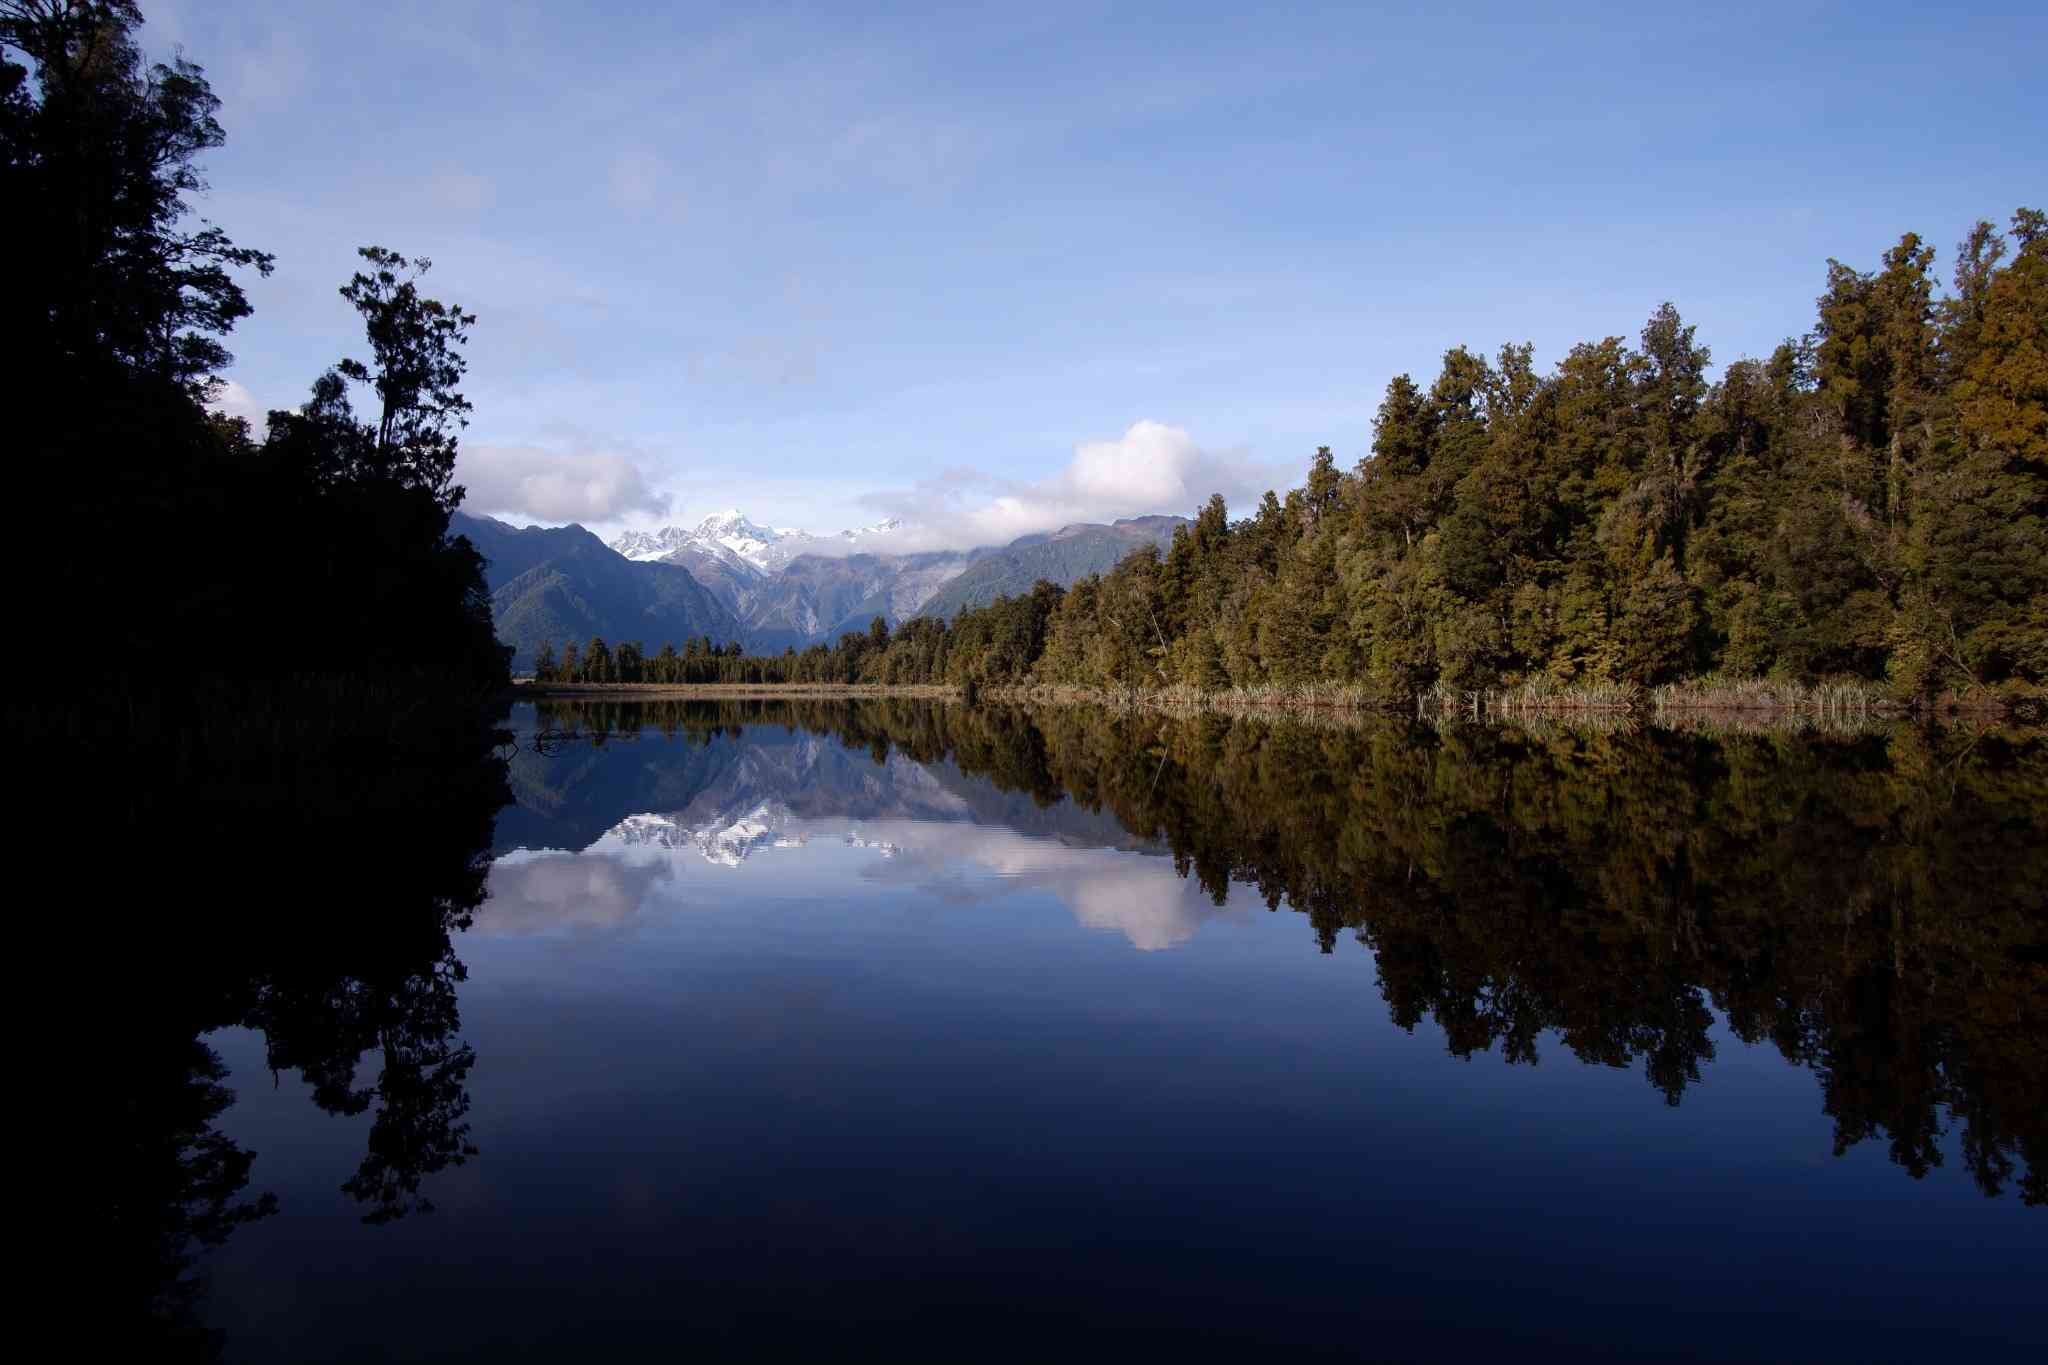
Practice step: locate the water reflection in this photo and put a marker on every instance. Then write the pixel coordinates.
(1867, 906)
(350, 976)
(1870, 905)
(650, 862)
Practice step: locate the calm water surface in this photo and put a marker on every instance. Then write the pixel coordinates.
(916, 1032)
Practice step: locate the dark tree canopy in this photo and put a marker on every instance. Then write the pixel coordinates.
(100, 161)
(120, 304)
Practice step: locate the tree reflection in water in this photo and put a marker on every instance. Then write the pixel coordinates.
(313, 897)
(1868, 903)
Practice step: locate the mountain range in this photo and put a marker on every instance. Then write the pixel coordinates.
(1064, 556)
(770, 588)
(759, 787)
(557, 584)
(733, 538)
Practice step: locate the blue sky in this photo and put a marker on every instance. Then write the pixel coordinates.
(997, 266)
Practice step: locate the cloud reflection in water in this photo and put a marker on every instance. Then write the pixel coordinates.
(650, 862)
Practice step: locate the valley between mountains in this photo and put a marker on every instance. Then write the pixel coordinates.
(730, 578)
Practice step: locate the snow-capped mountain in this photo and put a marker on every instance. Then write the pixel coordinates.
(647, 545)
(790, 588)
(727, 839)
(734, 538)
(726, 842)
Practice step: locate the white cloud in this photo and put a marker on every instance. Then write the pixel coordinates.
(1141, 896)
(1152, 468)
(233, 400)
(554, 485)
(554, 892)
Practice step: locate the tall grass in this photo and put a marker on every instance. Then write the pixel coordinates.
(1704, 706)
(1536, 696)
(1825, 700)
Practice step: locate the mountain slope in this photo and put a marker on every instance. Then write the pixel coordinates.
(731, 579)
(786, 588)
(816, 597)
(789, 588)
(1064, 556)
(561, 584)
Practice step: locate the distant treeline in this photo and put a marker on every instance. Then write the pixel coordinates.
(918, 648)
(1871, 501)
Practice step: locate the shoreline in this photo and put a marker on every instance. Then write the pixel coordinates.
(1690, 699)
(526, 690)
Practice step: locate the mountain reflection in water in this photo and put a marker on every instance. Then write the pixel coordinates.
(786, 963)
(1871, 905)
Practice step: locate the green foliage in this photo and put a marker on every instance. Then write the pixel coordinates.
(1871, 502)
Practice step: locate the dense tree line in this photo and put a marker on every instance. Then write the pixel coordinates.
(915, 652)
(181, 542)
(1869, 501)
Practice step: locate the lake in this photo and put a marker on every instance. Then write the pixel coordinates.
(910, 1030)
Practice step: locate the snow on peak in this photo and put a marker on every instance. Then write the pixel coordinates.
(652, 544)
(726, 841)
(879, 528)
(734, 537)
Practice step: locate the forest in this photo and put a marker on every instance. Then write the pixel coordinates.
(201, 570)
(258, 641)
(1868, 503)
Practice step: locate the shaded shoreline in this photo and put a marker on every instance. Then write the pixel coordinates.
(527, 690)
(1693, 699)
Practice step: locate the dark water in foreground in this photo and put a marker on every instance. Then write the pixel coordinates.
(904, 1031)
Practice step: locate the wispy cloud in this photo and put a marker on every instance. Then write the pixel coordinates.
(459, 194)
(642, 182)
(267, 76)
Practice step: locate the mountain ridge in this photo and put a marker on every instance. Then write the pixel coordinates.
(769, 588)
(1064, 556)
(558, 584)
(733, 537)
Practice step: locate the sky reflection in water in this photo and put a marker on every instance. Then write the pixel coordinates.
(778, 1042)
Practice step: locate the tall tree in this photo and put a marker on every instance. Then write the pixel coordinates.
(416, 362)
(98, 166)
